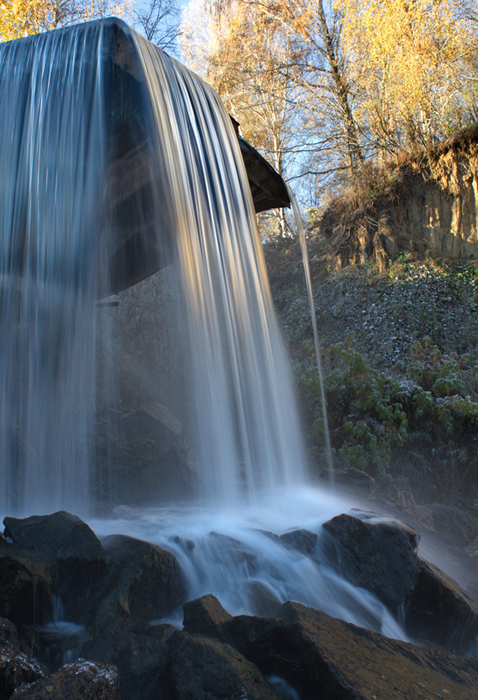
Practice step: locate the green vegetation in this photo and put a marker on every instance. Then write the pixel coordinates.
(401, 365)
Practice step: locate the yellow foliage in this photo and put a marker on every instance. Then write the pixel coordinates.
(412, 63)
(20, 18)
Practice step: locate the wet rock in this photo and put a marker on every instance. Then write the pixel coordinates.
(206, 616)
(233, 549)
(262, 600)
(61, 535)
(58, 644)
(27, 579)
(80, 681)
(320, 656)
(142, 661)
(439, 610)
(74, 546)
(16, 666)
(303, 540)
(205, 669)
(142, 583)
(380, 556)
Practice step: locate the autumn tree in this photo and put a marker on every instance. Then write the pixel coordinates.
(414, 66)
(20, 18)
(158, 21)
(320, 71)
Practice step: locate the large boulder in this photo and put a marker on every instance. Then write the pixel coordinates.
(79, 681)
(381, 556)
(300, 539)
(16, 665)
(142, 660)
(27, 579)
(62, 535)
(321, 657)
(206, 669)
(439, 610)
(142, 583)
(75, 548)
(206, 616)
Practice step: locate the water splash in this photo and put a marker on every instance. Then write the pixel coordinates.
(237, 555)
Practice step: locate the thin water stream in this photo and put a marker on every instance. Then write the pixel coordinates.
(313, 315)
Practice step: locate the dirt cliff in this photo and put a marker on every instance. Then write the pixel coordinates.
(426, 205)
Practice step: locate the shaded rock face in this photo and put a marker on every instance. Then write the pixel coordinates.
(382, 558)
(204, 668)
(207, 616)
(439, 610)
(27, 579)
(73, 546)
(142, 659)
(142, 582)
(80, 681)
(16, 665)
(303, 540)
(61, 535)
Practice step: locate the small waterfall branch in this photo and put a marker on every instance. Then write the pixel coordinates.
(305, 259)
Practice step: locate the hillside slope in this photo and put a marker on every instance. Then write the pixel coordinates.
(400, 353)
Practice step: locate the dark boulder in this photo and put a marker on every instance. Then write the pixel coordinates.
(205, 669)
(16, 666)
(325, 658)
(379, 556)
(142, 583)
(80, 681)
(61, 535)
(142, 660)
(205, 616)
(303, 540)
(74, 546)
(27, 579)
(439, 610)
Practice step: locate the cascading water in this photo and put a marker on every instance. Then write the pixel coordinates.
(117, 161)
(247, 438)
(60, 234)
(49, 163)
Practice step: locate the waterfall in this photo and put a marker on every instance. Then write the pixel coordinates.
(117, 161)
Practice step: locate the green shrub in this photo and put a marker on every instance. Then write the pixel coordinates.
(373, 414)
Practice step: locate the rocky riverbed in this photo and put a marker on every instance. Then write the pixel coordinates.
(117, 593)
